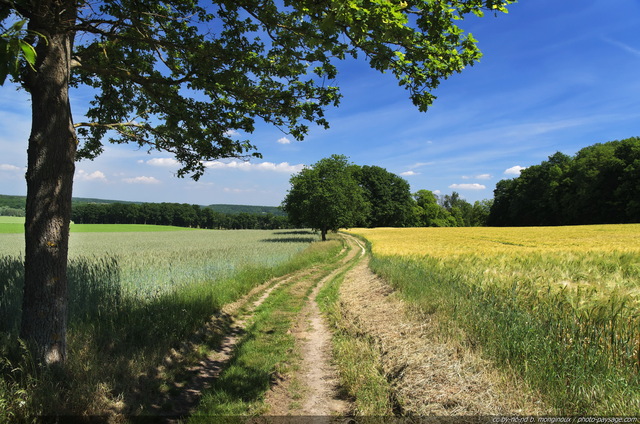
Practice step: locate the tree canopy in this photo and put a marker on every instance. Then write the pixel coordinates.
(449, 210)
(326, 196)
(599, 185)
(184, 77)
(179, 76)
(388, 197)
(176, 214)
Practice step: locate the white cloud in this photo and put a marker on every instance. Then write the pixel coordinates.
(420, 164)
(248, 166)
(409, 173)
(284, 140)
(83, 175)
(484, 177)
(626, 47)
(477, 177)
(168, 162)
(7, 167)
(141, 180)
(474, 186)
(231, 133)
(514, 170)
(238, 190)
(279, 167)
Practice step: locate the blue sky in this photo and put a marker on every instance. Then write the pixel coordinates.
(555, 76)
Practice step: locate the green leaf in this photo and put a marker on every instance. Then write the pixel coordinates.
(29, 52)
(16, 28)
(8, 58)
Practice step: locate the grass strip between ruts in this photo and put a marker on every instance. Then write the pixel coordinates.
(266, 351)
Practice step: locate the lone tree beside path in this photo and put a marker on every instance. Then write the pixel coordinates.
(182, 76)
(326, 196)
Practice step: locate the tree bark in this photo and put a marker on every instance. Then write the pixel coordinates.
(50, 169)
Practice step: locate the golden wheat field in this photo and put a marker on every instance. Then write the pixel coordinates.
(445, 242)
(560, 305)
(599, 259)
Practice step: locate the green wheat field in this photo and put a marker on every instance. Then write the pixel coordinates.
(133, 296)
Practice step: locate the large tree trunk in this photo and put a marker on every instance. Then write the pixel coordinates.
(51, 165)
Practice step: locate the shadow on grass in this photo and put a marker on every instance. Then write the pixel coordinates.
(93, 286)
(119, 346)
(290, 240)
(299, 232)
(11, 286)
(115, 343)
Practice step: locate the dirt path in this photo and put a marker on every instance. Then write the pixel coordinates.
(428, 376)
(319, 380)
(314, 390)
(319, 374)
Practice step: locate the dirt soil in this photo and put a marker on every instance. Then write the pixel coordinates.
(314, 390)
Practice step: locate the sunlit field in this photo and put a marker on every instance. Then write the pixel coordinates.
(599, 258)
(11, 225)
(558, 304)
(159, 260)
(445, 242)
(132, 297)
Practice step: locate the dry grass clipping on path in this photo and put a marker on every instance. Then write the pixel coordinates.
(429, 376)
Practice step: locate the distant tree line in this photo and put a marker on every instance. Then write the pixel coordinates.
(8, 211)
(15, 205)
(250, 209)
(334, 194)
(599, 185)
(16, 202)
(449, 210)
(12, 205)
(176, 214)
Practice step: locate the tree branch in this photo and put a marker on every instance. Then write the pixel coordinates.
(128, 75)
(113, 125)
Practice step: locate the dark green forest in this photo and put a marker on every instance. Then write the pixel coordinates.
(177, 214)
(335, 193)
(100, 211)
(15, 205)
(600, 184)
(389, 203)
